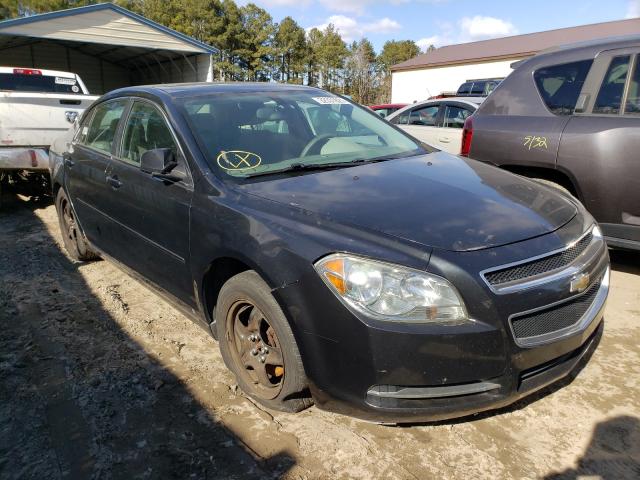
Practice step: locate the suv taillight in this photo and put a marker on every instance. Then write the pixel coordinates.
(26, 71)
(467, 135)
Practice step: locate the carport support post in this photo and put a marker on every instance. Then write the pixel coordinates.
(210, 69)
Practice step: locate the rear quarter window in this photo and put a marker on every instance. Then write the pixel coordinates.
(560, 85)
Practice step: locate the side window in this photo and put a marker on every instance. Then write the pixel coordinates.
(102, 129)
(465, 88)
(478, 88)
(633, 97)
(83, 128)
(425, 116)
(146, 129)
(454, 117)
(401, 119)
(560, 85)
(609, 99)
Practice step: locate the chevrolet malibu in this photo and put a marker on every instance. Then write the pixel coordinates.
(334, 258)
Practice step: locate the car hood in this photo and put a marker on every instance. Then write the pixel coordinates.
(438, 200)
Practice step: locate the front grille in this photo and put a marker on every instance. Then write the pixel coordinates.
(554, 318)
(542, 265)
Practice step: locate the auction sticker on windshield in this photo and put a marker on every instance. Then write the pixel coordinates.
(331, 100)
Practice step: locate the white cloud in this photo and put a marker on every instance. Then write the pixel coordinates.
(356, 7)
(350, 29)
(435, 40)
(347, 6)
(480, 28)
(633, 9)
(280, 3)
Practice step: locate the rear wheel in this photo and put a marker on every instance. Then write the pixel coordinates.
(73, 238)
(258, 346)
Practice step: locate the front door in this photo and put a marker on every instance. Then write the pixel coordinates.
(601, 142)
(152, 214)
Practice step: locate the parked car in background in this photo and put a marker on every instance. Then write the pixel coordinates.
(387, 109)
(437, 122)
(478, 88)
(333, 256)
(36, 107)
(571, 117)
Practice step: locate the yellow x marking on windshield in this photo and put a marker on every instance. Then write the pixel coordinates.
(238, 160)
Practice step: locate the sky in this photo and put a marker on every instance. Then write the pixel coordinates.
(445, 22)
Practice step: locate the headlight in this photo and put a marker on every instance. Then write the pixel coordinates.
(391, 292)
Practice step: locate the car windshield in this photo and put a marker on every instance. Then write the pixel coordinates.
(248, 134)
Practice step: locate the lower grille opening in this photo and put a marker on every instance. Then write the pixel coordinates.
(554, 318)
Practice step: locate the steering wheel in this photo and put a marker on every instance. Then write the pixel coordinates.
(319, 140)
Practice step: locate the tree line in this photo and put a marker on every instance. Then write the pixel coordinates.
(253, 47)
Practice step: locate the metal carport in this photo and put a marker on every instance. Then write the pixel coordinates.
(107, 45)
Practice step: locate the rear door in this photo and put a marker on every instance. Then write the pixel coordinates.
(85, 169)
(601, 143)
(151, 215)
(449, 136)
(504, 139)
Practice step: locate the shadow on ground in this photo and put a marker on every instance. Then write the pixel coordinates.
(613, 453)
(80, 398)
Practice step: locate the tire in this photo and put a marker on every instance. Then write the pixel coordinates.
(555, 185)
(256, 341)
(73, 238)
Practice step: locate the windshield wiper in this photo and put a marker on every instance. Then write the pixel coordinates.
(300, 167)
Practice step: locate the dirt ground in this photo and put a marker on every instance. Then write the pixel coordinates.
(99, 378)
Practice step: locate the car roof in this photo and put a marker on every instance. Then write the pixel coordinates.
(389, 105)
(204, 88)
(471, 101)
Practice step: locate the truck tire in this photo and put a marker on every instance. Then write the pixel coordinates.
(258, 346)
(73, 238)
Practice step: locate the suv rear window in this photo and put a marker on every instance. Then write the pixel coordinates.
(560, 85)
(38, 83)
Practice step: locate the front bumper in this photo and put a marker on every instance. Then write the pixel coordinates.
(412, 373)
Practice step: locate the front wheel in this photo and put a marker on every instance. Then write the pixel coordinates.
(258, 346)
(73, 238)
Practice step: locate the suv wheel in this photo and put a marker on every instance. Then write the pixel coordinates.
(73, 238)
(258, 346)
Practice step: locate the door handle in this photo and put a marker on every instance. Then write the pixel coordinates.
(444, 139)
(114, 182)
(67, 160)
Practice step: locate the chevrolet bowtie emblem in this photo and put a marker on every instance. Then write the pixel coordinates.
(579, 283)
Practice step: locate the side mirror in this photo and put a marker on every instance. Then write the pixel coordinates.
(159, 161)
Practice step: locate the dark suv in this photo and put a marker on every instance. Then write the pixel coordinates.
(478, 88)
(571, 117)
(333, 256)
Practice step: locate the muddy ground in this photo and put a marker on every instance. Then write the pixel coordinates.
(100, 378)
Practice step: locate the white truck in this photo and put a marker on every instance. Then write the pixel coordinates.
(36, 107)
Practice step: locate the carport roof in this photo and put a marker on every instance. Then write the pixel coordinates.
(518, 46)
(104, 30)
